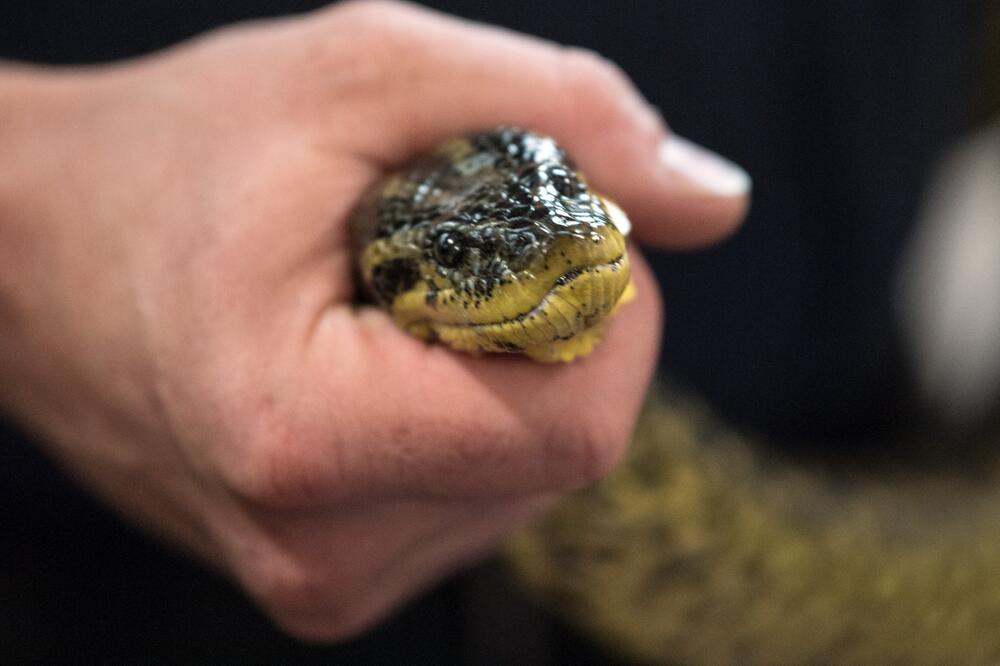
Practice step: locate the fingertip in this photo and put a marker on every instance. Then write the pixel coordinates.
(705, 195)
(678, 194)
(689, 220)
(700, 170)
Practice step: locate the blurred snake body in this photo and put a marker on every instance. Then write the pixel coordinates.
(494, 243)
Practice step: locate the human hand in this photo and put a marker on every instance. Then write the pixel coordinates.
(176, 298)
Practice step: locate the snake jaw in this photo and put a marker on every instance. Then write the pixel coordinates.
(557, 330)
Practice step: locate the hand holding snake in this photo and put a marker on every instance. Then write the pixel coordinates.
(177, 298)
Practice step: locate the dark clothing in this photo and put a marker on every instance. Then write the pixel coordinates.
(837, 109)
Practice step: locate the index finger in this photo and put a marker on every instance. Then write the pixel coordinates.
(427, 76)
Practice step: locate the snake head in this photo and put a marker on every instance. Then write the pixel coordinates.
(494, 242)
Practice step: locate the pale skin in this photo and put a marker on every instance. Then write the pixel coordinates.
(176, 318)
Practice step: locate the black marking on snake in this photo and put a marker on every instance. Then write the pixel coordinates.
(489, 223)
(568, 277)
(393, 277)
(432, 295)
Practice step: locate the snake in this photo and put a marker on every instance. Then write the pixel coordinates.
(495, 243)
(706, 544)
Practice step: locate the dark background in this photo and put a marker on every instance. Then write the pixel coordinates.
(837, 109)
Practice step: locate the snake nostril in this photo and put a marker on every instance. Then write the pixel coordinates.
(393, 277)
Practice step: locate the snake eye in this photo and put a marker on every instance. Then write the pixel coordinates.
(448, 249)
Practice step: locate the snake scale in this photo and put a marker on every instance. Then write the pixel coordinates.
(494, 243)
(705, 545)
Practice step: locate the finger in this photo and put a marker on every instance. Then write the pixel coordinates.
(327, 574)
(426, 421)
(430, 77)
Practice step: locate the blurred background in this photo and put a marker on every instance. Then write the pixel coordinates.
(862, 295)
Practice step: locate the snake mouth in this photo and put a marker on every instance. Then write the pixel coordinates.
(565, 280)
(578, 300)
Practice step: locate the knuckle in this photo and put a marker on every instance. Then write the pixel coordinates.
(327, 628)
(371, 10)
(277, 470)
(585, 452)
(381, 20)
(287, 588)
(309, 602)
(596, 91)
(366, 53)
(604, 451)
(591, 75)
(359, 43)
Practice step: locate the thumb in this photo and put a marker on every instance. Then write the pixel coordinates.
(430, 76)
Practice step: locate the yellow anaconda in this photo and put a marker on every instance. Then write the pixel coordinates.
(494, 243)
(703, 546)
